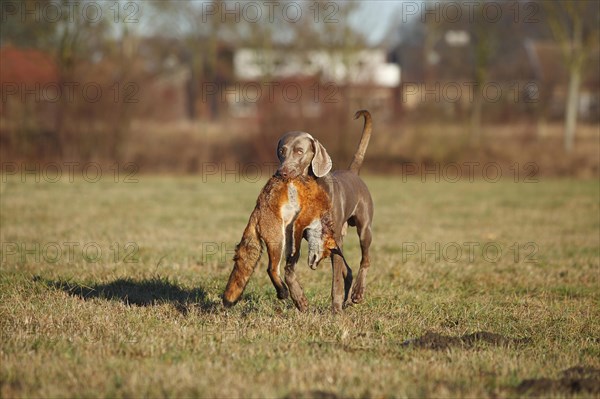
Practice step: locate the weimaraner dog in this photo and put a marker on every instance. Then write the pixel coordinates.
(286, 211)
(300, 153)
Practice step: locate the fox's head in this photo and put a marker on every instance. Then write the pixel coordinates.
(321, 242)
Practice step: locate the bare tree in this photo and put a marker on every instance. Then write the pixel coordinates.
(197, 26)
(574, 25)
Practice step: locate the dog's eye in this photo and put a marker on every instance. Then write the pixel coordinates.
(299, 151)
(282, 151)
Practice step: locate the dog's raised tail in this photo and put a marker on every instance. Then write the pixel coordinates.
(359, 156)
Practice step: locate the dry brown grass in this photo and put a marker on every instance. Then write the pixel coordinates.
(155, 327)
(186, 147)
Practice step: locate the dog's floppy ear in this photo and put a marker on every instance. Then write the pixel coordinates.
(321, 162)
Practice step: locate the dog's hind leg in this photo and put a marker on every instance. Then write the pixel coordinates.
(337, 285)
(365, 238)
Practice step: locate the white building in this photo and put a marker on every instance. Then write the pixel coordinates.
(363, 67)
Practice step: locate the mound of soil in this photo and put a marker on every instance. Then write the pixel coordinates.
(316, 394)
(574, 380)
(437, 341)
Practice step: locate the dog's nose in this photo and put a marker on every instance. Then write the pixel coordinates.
(282, 173)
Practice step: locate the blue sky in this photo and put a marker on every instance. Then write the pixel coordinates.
(376, 17)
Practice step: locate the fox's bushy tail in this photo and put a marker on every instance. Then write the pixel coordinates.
(247, 255)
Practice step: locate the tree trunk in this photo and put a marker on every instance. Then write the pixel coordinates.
(575, 71)
(191, 93)
(476, 112)
(572, 108)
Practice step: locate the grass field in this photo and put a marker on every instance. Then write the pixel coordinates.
(476, 289)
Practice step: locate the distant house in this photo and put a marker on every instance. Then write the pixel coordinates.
(308, 83)
(355, 67)
(526, 72)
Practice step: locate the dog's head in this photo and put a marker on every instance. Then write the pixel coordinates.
(300, 154)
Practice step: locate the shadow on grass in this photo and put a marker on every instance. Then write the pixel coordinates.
(575, 380)
(146, 292)
(437, 341)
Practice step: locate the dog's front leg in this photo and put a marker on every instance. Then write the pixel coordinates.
(338, 291)
(295, 289)
(342, 275)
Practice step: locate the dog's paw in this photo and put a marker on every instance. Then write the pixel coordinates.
(358, 294)
(348, 303)
(356, 299)
(336, 308)
(301, 304)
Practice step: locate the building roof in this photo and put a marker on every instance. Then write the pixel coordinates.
(26, 66)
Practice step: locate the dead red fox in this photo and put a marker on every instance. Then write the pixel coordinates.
(285, 212)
